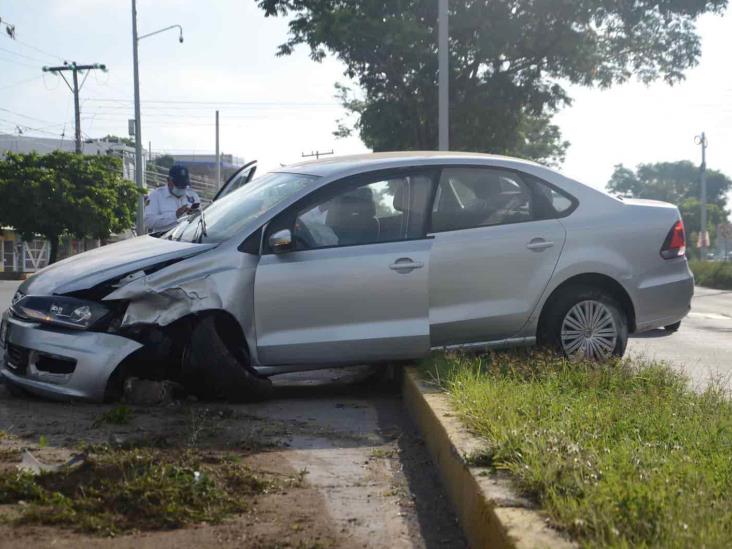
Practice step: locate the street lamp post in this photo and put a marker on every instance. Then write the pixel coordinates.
(139, 161)
(443, 76)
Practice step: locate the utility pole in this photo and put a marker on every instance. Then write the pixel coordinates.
(703, 234)
(139, 167)
(75, 89)
(218, 156)
(317, 154)
(443, 75)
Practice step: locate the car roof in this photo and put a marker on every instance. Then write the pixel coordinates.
(336, 165)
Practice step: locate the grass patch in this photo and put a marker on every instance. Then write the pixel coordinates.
(120, 415)
(118, 491)
(619, 454)
(712, 274)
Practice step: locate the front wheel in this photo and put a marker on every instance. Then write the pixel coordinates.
(586, 323)
(216, 366)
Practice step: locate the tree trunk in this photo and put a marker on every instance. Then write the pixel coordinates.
(53, 255)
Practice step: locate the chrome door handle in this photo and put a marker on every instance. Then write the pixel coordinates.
(539, 244)
(405, 264)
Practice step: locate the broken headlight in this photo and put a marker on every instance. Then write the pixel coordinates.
(67, 312)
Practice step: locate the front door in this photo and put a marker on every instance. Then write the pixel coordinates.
(354, 288)
(496, 244)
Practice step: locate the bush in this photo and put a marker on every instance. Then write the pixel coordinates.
(712, 274)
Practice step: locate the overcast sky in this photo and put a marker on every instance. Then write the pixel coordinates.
(273, 109)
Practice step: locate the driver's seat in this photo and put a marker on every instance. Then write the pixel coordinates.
(352, 217)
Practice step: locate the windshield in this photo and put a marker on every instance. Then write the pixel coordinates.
(227, 216)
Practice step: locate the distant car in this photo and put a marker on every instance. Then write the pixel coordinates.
(366, 259)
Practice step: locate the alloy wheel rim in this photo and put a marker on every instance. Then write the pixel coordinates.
(589, 331)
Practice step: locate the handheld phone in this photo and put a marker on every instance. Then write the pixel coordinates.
(195, 206)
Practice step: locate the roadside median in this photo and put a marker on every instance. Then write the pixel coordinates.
(491, 512)
(536, 450)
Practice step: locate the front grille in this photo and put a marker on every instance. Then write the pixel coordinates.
(16, 359)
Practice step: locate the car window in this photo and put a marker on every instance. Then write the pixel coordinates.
(550, 202)
(480, 197)
(385, 210)
(227, 216)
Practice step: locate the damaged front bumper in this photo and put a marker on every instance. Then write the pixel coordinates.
(60, 364)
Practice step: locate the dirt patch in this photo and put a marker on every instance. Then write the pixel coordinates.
(366, 478)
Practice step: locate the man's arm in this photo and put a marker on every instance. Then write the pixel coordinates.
(156, 220)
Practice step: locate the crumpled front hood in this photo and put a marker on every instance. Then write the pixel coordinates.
(86, 270)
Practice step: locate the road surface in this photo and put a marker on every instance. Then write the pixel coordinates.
(702, 348)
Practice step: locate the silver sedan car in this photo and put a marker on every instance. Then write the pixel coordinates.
(367, 259)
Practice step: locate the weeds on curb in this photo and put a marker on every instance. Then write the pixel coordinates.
(619, 454)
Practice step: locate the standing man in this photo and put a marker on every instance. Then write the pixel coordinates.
(166, 205)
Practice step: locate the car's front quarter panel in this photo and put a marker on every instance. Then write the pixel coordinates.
(220, 280)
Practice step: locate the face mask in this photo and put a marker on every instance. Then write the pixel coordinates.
(177, 191)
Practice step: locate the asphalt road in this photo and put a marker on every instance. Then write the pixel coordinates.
(702, 348)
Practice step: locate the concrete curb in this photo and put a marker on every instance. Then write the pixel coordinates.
(490, 512)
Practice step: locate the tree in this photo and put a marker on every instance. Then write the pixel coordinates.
(507, 59)
(65, 193)
(116, 139)
(678, 183)
(164, 162)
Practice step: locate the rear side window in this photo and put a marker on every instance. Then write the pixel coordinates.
(549, 202)
(480, 197)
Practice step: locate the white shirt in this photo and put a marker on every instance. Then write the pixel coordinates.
(161, 205)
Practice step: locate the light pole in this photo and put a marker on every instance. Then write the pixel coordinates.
(139, 166)
(701, 140)
(443, 75)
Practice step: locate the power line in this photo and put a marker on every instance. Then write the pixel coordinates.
(19, 63)
(20, 82)
(244, 103)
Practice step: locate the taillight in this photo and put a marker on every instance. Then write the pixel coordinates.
(675, 243)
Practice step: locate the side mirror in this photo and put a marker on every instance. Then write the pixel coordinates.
(281, 241)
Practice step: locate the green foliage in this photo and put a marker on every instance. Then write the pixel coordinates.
(507, 58)
(712, 274)
(65, 193)
(120, 415)
(120, 490)
(121, 140)
(163, 162)
(619, 454)
(672, 182)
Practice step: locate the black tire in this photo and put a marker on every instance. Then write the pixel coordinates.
(549, 332)
(214, 368)
(671, 328)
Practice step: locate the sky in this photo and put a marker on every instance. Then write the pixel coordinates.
(274, 109)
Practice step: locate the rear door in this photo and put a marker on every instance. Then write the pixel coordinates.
(496, 244)
(354, 288)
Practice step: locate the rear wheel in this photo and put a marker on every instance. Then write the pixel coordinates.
(671, 328)
(585, 322)
(216, 366)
